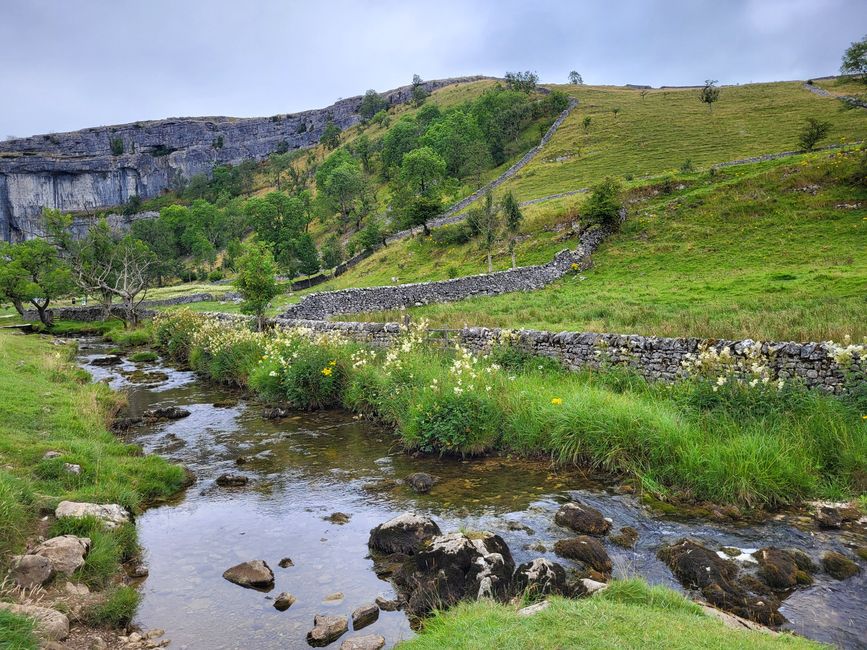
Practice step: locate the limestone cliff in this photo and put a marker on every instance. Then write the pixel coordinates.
(78, 171)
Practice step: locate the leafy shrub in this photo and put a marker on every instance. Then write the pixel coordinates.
(452, 235)
(604, 204)
(129, 338)
(814, 130)
(173, 332)
(315, 379)
(466, 423)
(117, 610)
(116, 145)
(215, 276)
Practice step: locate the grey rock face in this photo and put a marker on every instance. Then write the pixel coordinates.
(77, 171)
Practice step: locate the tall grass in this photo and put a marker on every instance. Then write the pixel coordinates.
(763, 445)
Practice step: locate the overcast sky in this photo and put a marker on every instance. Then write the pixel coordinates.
(69, 64)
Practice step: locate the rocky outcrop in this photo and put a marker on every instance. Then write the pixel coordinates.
(456, 567)
(406, 534)
(91, 169)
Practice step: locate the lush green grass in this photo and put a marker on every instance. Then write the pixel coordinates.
(660, 131)
(629, 614)
(764, 445)
(46, 404)
(773, 251)
(117, 610)
(16, 632)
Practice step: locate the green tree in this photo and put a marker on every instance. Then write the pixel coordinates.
(306, 255)
(343, 188)
(371, 104)
(575, 78)
(586, 123)
(813, 131)
(371, 236)
(330, 136)
(604, 204)
(31, 271)
(256, 280)
(363, 149)
(524, 82)
(487, 221)
(419, 210)
(397, 142)
(855, 60)
(458, 138)
(709, 93)
(514, 217)
(423, 171)
(332, 252)
(419, 92)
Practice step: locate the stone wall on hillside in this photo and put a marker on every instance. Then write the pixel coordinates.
(94, 311)
(526, 278)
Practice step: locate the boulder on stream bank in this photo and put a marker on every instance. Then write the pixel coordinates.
(407, 534)
(541, 577)
(589, 552)
(839, 566)
(111, 514)
(782, 570)
(456, 567)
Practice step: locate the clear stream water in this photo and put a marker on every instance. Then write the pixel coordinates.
(307, 466)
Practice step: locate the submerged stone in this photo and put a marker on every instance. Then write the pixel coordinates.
(839, 566)
(420, 482)
(627, 537)
(586, 550)
(582, 519)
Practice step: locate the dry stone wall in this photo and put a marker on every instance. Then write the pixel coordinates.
(527, 278)
(94, 312)
(656, 358)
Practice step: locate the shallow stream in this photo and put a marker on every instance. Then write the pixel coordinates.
(305, 467)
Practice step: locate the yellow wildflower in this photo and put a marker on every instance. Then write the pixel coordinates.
(556, 401)
(332, 363)
(326, 371)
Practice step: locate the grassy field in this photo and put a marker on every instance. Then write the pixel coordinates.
(629, 614)
(660, 131)
(769, 251)
(47, 404)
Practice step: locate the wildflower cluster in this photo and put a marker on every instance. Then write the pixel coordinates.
(749, 368)
(846, 353)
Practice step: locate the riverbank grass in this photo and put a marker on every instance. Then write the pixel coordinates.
(629, 614)
(756, 442)
(47, 404)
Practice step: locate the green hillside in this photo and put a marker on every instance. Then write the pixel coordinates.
(774, 251)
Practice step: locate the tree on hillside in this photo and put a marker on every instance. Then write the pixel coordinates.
(343, 187)
(396, 143)
(486, 221)
(363, 149)
(575, 78)
(586, 123)
(306, 255)
(523, 81)
(709, 93)
(371, 104)
(855, 60)
(31, 271)
(812, 133)
(423, 171)
(604, 205)
(330, 136)
(458, 138)
(256, 280)
(332, 252)
(419, 92)
(419, 210)
(513, 217)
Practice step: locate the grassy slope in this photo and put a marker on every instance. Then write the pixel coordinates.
(751, 255)
(627, 615)
(47, 404)
(657, 133)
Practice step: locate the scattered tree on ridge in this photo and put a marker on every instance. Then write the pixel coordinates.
(812, 133)
(586, 123)
(855, 60)
(575, 78)
(419, 92)
(256, 280)
(709, 93)
(371, 104)
(487, 222)
(524, 81)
